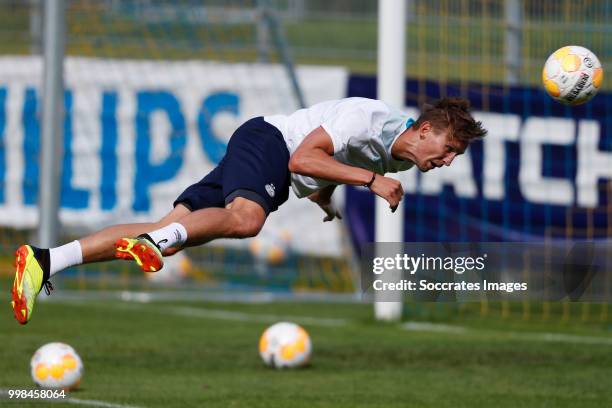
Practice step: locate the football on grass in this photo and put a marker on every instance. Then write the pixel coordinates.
(285, 345)
(56, 366)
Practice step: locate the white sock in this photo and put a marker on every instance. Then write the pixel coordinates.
(173, 235)
(65, 256)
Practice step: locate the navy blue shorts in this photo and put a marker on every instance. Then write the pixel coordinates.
(255, 167)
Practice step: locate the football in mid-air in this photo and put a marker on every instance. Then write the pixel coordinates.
(572, 75)
(285, 345)
(56, 366)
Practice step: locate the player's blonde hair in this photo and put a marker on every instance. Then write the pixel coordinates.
(454, 114)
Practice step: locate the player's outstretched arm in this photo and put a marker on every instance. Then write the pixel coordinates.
(314, 158)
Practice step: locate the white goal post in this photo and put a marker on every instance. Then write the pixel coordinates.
(389, 226)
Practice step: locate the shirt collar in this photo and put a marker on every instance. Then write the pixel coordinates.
(400, 164)
(409, 123)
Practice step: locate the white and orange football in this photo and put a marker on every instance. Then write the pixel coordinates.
(572, 75)
(285, 345)
(56, 366)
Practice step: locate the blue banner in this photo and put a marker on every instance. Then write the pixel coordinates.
(544, 170)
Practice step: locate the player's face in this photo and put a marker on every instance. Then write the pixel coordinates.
(436, 148)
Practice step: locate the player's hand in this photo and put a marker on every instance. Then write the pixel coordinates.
(324, 201)
(331, 212)
(389, 189)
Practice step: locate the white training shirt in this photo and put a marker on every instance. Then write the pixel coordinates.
(362, 131)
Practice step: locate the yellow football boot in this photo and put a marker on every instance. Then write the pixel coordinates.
(31, 275)
(142, 250)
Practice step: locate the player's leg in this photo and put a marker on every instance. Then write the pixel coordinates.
(242, 218)
(100, 246)
(34, 266)
(255, 180)
(146, 247)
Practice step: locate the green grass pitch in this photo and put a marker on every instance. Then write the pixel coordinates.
(185, 354)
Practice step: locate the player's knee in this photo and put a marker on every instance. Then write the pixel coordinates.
(247, 228)
(247, 224)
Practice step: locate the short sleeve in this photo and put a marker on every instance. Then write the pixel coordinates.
(346, 124)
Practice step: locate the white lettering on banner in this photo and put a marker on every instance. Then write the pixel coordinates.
(534, 186)
(502, 128)
(593, 164)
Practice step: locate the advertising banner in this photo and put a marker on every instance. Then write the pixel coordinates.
(543, 170)
(137, 133)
